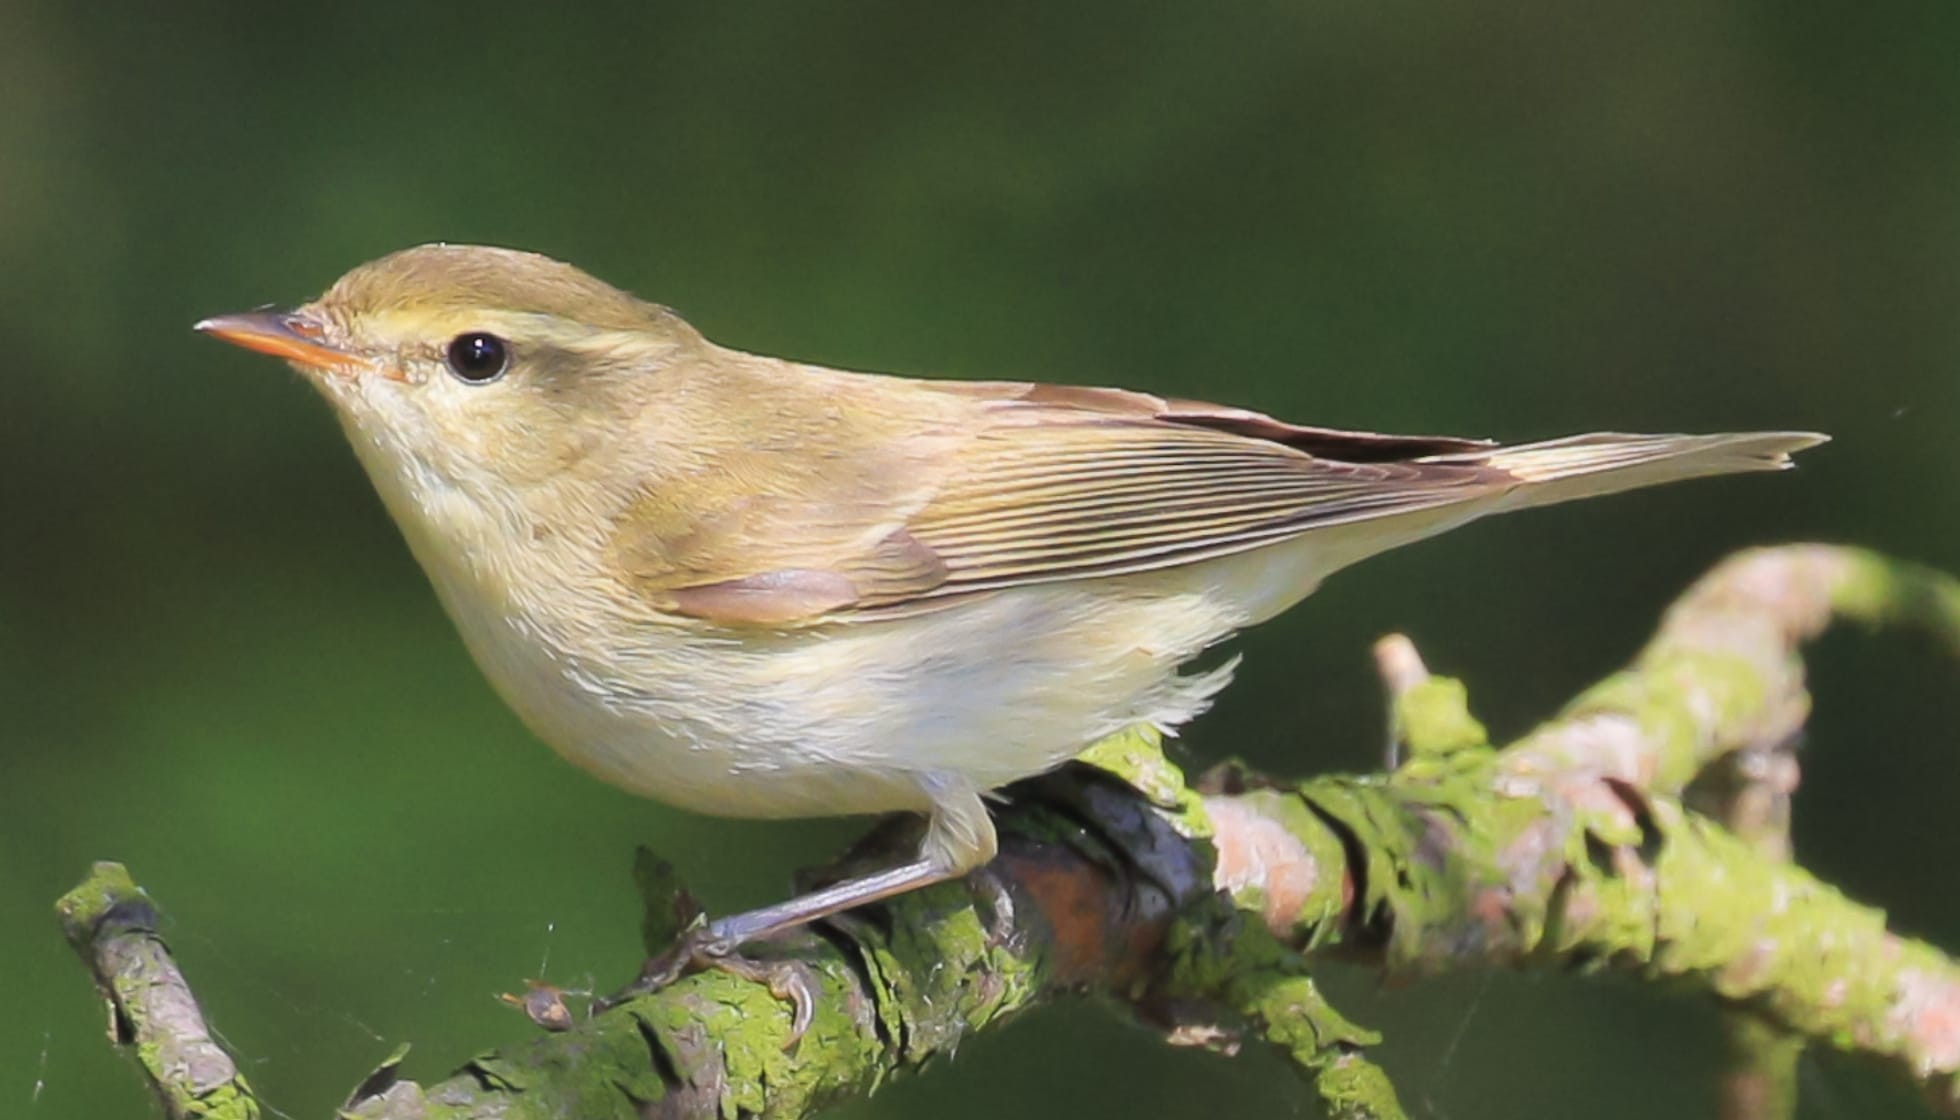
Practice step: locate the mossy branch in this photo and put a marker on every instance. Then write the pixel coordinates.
(110, 921)
(1203, 910)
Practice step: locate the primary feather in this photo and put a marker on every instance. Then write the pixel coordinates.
(1029, 485)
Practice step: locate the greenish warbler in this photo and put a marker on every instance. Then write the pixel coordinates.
(758, 588)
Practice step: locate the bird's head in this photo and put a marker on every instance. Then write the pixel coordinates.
(478, 367)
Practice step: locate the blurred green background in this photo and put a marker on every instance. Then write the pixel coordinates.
(1518, 219)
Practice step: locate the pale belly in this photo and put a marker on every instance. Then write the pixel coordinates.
(858, 718)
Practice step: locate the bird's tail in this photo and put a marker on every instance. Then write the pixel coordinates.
(1586, 466)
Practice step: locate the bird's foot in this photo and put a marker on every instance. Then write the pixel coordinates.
(701, 948)
(790, 981)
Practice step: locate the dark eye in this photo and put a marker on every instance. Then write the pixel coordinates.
(477, 357)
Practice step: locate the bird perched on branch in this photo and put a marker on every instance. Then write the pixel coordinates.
(753, 587)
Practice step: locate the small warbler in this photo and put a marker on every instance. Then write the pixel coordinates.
(758, 588)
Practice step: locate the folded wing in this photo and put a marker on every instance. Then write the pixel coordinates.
(1037, 484)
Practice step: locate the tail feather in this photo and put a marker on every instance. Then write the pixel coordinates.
(1587, 466)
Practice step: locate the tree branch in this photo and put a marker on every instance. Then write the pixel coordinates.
(1204, 913)
(109, 920)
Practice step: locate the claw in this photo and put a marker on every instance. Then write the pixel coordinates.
(789, 981)
(701, 948)
(696, 949)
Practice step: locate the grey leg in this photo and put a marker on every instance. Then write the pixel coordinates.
(959, 837)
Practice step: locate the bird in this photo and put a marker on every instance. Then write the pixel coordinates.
(755, 587)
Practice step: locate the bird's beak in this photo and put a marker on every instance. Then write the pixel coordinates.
(293, 335)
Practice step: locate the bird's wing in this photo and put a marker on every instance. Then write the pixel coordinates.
(1025, 484)
(1072, 483)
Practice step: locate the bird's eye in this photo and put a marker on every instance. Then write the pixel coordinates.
(477, 357)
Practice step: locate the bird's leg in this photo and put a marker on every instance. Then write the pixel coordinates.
(959, 837)
(725, 935)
